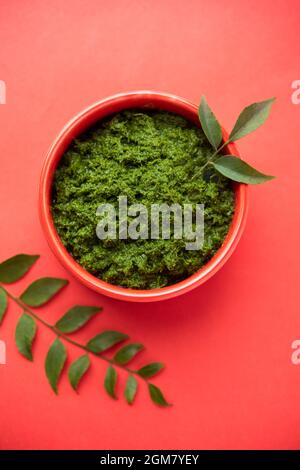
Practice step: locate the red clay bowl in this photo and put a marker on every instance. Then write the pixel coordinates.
(116, 103)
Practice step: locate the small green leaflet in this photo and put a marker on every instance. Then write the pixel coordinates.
(76, 318)
(150, 370)
(157, 396)
(55, 362)
(209, 123)
(14, 268)
(77, 370)
(127, 353)
(42, 290)
(250, 119)
(130, 389)
(237, 170)
(105, 340)
(110, 381)
(3, 304)
(25, 334)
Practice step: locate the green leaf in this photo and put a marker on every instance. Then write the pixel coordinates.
(42, 290)
(76, 318)
(110, 381)
(14, 268)
(251, 118)
(25, 334)
(238, 170)
(127, 353)
(77, 370)
(3, 304)
(105, 340)
(157, 396)
(55, 362)
(130, 389)
(150, 369)
(209, 123)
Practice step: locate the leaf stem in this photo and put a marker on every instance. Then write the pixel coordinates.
(26, 309)
(210, 159)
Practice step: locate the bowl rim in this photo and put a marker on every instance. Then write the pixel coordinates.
(83, 121)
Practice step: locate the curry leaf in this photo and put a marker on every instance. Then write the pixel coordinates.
(42, 290)
(77, 370)
(110, 381)
(105, 340)
(251, 118)
(150, 369)
(3, 304)
(55, 362)
(75, 318)
(25, 334)
(127, 353)
(237, 170)
(130, 389)
(157, 396)
(14, 268)
(209, 123)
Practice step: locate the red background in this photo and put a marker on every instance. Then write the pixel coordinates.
(227, 345)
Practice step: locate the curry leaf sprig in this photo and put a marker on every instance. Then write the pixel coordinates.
(38, 294)
(249, 120)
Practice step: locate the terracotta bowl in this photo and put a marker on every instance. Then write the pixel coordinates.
(88, 117)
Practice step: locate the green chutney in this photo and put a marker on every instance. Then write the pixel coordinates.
(151, 157)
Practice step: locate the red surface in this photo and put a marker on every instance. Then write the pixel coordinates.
(227, 344)
(81, 122)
